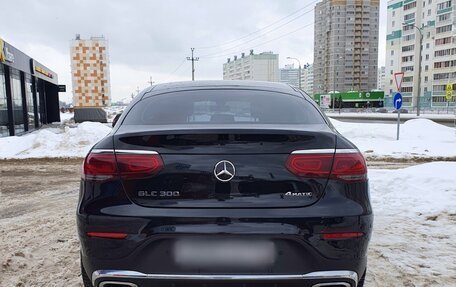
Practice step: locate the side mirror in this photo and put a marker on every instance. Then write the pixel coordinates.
(116, 118)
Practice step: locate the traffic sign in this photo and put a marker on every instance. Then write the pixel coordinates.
(397, 101)
(398, 78)
(449, 92)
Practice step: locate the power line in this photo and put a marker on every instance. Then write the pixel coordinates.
(175, 70)
(260, 44)
(261, 29)
(259, 36)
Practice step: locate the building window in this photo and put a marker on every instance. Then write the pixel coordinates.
(443, 41)
(3, 105)
(443, 29)
(427, 56)
(410, 6)
(426, 68)
(408, 48)
(29, 99)
(18, 109)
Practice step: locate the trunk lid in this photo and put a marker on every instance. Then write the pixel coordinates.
(195, 157)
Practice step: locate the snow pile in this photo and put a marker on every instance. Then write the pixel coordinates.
(418, 138)
(66, 117)
(414, 225)
(54, 142)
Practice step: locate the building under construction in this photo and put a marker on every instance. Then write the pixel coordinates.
(90, 78)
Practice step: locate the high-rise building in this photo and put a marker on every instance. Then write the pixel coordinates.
(289, 75)
(90, 75)
(307, 79)
(346, 45)
(257, 67)
(406, 22)
(381, 78)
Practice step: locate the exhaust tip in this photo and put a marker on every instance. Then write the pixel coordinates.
(333, 284)
(117, 284)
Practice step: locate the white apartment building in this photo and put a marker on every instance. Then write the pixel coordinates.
(307, 79)
(257, 67)
(381, 78)
(436, 20)
(289, 75)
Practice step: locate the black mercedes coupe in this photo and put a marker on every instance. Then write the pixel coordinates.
(224, 183)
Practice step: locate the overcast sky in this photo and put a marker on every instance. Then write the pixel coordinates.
(153, 38)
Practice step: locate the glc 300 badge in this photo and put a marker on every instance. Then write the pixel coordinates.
(158, 193)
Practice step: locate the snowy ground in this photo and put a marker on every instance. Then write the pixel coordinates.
(443, 115)
(60, 141)
(414, 225)
(412, 244)
(419, 138)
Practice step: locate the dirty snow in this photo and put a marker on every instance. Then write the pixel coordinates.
(62, 141)
(412, 244)
(414, 225)
(418, 138)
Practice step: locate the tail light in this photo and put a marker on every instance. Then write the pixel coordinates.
(102, 165)
(341, 235)
(109, 235)
(339, 165)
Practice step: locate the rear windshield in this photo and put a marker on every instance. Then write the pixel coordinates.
(223, 107)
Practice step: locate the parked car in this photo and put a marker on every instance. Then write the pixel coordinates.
(403, 111)
(224, 182)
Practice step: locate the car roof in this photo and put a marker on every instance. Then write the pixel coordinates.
(219, 84)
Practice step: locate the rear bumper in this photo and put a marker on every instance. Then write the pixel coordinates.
(132, 278)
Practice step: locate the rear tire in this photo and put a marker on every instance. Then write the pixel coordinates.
(85, 277)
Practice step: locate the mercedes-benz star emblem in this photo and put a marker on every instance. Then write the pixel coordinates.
(224, 170)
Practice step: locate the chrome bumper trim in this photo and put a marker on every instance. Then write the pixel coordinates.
(125, 274)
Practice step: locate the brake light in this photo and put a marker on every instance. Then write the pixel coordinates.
(138, 165)
(339, 165)
(110, 235)
(341, 235)
(310, 165)
(105, 165)
(349, 167)
(99, 166)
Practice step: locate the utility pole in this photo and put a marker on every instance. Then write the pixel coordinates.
(193, 59)
(150, 81)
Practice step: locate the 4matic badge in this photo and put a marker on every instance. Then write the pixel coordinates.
(298, 194)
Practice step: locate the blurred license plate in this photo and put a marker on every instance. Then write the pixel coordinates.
(208, 253)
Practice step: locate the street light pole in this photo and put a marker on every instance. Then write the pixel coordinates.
(299, 73)
(419, 68)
